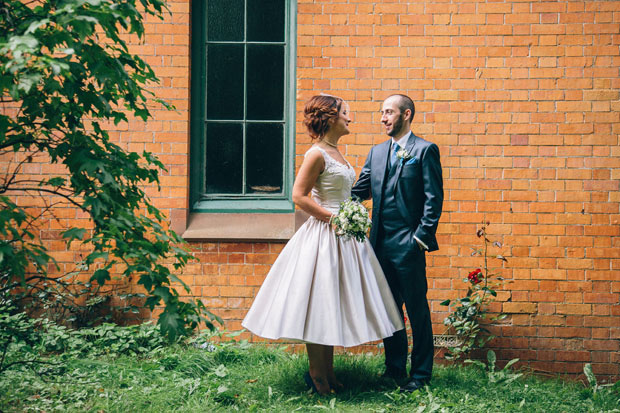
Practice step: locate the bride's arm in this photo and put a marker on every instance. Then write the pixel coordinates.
(309, 172)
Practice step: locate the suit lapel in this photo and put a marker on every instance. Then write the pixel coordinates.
(383, 152)
(409, 148)
(400, 201)
(411, 143)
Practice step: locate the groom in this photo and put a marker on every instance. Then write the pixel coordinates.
(403, 177)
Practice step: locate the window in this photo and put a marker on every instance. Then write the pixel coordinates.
(243, 107)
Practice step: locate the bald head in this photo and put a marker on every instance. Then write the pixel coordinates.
(403, 102)
(396, 115)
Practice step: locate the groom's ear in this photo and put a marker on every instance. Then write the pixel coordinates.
(407, 114)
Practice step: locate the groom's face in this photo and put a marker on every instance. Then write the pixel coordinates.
(393, 119)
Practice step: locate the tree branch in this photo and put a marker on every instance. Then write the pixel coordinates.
(49, 191)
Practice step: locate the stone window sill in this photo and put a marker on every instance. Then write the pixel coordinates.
(248, 227)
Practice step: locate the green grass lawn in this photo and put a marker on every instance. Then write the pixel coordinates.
(242, 377)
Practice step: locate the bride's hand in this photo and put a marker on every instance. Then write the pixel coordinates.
(331, 221)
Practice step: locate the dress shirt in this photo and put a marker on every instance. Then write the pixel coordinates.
(402, 141)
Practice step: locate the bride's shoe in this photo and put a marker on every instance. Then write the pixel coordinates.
(335, 385)
(311, 383)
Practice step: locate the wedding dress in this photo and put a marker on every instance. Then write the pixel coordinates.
(323, 289)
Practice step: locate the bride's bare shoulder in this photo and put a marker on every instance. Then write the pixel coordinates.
(313, 158)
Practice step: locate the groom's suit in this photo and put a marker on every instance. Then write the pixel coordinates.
(407, 200)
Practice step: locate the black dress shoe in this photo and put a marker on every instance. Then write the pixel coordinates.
(413, 385)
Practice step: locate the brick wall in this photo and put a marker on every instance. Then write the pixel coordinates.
(522, 98)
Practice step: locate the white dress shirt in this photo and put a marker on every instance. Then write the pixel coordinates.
(402, 141)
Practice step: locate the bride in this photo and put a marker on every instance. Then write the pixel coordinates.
(324, 290)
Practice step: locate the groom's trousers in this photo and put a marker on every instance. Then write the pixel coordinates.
(404, 265)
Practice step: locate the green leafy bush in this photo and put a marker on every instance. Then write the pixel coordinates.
(26, 341)
(18, 335)
(468, 312)
(66, 72)
(107, 338)
(505, 375)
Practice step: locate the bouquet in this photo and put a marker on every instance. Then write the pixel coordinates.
(352, 220)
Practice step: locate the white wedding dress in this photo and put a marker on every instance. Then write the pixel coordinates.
(323, 289)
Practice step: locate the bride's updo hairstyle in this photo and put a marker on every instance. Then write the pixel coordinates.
(317, 113)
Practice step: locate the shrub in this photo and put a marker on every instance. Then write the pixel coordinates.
(469, 312)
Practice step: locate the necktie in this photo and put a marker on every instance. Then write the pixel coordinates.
(395, 149)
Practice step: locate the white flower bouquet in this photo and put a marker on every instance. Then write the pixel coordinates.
(352, 220)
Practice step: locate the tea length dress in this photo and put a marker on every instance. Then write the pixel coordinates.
(323, 289)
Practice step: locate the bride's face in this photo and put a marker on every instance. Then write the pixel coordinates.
(340, 126)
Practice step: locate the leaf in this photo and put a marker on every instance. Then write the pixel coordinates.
(490, 291)
(587, 370)
(74, 233)
(510, 363)
(35, 25)
(221, 371)
(170, 322)
(491, 357)
(55, 181)
(501, 257)
(513, 377)
(90, 258)
(445, 302)
(101, 276)
(27, 82)
(477, 363)
(27, 42)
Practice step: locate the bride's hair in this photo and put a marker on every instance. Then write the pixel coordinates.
(317, 113)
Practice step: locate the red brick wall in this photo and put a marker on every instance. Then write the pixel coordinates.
(522, 98)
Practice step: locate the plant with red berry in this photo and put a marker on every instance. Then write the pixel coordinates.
(464, 321)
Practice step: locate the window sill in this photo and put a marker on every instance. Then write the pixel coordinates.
(248, 227)
(243, 206)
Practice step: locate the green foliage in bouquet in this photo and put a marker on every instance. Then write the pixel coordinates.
(468, 312)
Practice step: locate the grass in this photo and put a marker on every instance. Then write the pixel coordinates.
(242, 377)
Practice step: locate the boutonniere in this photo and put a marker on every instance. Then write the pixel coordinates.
(403, 155)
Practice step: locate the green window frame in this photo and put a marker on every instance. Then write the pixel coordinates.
(247, 126)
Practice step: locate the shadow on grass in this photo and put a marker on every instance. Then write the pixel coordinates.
(361, 376)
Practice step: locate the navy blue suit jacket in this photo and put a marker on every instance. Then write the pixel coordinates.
(419, 188)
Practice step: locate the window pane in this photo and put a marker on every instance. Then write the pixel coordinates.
(264, 157)
(224, 81)
(225, 20)
(266, 20)
(265, 82)
(224, 169)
